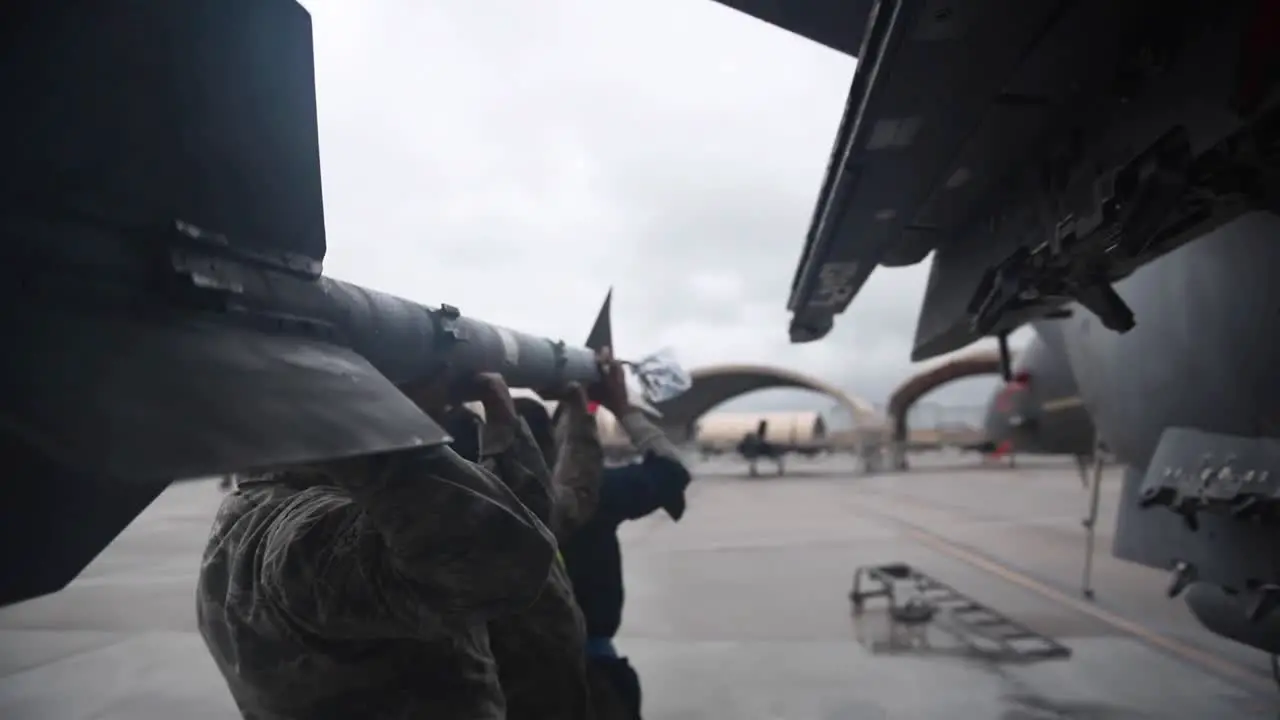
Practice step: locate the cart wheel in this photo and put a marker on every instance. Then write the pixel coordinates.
(900, 571)
(914, 611)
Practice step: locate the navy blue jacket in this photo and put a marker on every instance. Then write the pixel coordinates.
(593, 555)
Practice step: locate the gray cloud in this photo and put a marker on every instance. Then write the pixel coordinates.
(516, 159)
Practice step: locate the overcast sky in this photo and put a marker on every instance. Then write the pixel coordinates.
(517, 158)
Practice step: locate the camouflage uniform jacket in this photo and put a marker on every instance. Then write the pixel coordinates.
(579, 464)
(541, 651)
(363, 588)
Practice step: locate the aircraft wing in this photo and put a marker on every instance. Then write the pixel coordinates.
(838, 24)
(975, 131)
(906, 155)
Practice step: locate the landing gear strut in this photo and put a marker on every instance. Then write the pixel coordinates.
(1006, 357)
(1091, 476)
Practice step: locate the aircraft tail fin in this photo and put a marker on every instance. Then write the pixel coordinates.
(601, 335)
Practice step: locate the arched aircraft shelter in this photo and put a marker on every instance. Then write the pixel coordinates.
(982, 362)
(716, 384)
(723, 430)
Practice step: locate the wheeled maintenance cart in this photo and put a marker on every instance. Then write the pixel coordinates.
(916, 600)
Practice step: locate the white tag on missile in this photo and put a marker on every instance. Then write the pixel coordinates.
(662, 377)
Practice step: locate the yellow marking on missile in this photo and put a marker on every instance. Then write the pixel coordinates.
(1062, 403)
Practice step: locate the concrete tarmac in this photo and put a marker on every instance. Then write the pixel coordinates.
(739, 611)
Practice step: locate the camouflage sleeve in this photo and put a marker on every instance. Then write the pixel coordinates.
(509, 451)
(420, 539)
(646, 436)
(575, 480)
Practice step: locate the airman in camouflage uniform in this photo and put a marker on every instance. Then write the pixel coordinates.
(571, 445)
(363, 588)
(541, 652)
(593, 554)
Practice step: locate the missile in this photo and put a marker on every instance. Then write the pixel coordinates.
(186, 356)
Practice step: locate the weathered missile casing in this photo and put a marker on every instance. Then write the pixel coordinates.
(158, 396)
(407, 341)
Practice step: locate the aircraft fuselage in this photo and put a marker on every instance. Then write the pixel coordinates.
(1189, 401)
(1201, 354)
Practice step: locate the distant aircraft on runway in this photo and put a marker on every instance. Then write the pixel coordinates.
(755, 446)
(747, 435)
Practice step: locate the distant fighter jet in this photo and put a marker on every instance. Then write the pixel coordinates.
(756, 445)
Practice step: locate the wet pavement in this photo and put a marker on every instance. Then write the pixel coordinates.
(739, 611)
